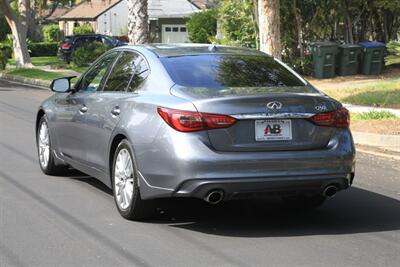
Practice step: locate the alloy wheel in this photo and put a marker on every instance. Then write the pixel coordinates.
(123, 179)
(44, 145)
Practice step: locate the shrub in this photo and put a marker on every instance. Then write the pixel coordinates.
(42, 49)
(393, 48)
(5, 54)
(51, 33)
(83, 29)
(7, 46)
(202, 26)
(88, 53)
(4, 28)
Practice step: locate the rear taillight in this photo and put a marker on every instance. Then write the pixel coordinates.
(339, 118)
(189, 121)
(66, 46)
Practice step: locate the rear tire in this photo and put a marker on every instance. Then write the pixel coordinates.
(45, 151)
(304, 202)
(126, 187)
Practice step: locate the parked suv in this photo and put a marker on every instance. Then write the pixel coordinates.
(70, 43)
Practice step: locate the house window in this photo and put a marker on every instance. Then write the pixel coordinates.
(175, 29)
(183, 29)
(168, 29)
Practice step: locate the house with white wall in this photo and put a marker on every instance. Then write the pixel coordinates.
(167, 18)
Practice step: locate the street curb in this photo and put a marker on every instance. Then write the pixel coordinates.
(389, 142)
(24, 80)
(379, 154)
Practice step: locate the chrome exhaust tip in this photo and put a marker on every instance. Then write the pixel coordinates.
(330, 191)
(214, 197)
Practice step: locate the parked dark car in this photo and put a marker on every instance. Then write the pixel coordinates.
(71, 43)
(209, 122)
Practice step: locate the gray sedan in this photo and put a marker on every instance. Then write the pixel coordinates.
(210, 122)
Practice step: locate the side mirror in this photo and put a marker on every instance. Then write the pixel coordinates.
(61, 85)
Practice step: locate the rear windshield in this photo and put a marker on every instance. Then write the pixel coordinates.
(219, 71)
(67, 40)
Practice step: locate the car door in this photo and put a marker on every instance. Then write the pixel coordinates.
(105, 108)
(71, 110)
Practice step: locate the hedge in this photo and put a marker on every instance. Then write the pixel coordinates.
(88, 53)
(51, 33)
(42, 49)
(4, 55)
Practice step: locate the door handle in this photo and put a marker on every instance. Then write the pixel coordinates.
(83, 109)
(115, 111)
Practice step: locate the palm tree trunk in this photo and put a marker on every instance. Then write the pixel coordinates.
(138, 26)
(269, 21)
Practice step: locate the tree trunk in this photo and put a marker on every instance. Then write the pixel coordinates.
(33, 32)
(379, 36)
(18, 29)
(269, 21)
(348, 23)
(138, 26)
(256, 23)
(299, 29)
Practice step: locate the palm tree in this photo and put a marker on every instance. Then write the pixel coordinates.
(269, 24)
(138, 26)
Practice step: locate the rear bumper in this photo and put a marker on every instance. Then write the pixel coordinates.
(263, 187)
(186, 167)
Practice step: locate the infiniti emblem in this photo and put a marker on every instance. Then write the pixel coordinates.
(274, 105)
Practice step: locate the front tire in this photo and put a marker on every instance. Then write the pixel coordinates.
(45, 152)
(126, 187)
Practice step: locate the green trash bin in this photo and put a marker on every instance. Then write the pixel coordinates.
(348, 59)
(324, 59)
(372, 56)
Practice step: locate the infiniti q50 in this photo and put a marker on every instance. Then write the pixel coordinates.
(201, 121)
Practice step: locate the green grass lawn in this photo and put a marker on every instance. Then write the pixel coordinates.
(41, 61)
(35, 74)
(77, 69)
(55, 62)
(382, 93)
(374, 115)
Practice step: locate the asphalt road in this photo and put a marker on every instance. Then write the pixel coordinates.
(72, 221)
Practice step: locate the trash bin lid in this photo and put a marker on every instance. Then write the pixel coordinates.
(325, 44)
(371, 44)
(349, 46)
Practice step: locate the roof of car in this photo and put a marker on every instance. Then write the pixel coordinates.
(171, 50)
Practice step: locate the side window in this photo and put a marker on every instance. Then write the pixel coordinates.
(127, 73)
(141, 72)
(94, 77)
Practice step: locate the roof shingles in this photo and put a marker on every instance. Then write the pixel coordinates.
(88, 10)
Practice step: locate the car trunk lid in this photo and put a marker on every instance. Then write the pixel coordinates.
(272, 121)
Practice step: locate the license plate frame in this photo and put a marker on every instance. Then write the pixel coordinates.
(273, 130)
